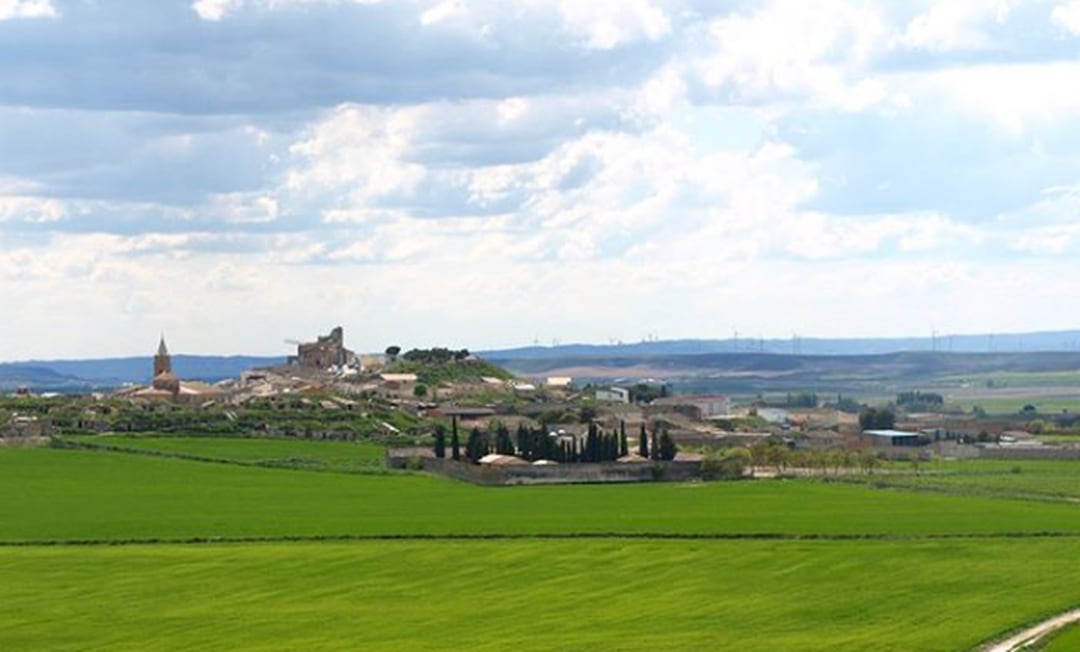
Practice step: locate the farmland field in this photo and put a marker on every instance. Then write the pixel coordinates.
(58, 494)
(533, 595)
(1048, 479)
(818, 566)
(1067, 641)
(313, 455)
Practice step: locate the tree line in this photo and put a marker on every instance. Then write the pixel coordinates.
(537, 443)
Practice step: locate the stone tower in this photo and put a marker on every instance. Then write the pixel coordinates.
(162, 361)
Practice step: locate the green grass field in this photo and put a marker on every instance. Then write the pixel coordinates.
(341, 456)
(1051, 479)
(896, 585)
(532, 595)
(60, 494)
(1066, 641)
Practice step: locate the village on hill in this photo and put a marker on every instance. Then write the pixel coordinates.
(447, 411)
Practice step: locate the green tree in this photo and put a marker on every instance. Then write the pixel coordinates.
(877, 419)
(440, 441)
(643, 443)
(729, 464)
(503, 444)
(477, 445)
(420, 391)
(668, 449)
(455, 445)
(868, 461)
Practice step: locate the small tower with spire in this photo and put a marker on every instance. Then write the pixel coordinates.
(164, 380)
(162, 361)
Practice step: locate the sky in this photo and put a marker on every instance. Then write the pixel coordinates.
(484, 173)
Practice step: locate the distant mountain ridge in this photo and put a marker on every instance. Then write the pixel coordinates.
(987, 343)
(81, 375)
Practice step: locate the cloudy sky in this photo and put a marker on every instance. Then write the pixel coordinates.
(489, 173)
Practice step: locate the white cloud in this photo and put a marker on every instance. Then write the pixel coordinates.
(955, 24)
(441, 12)
(215, 10)
(359, 152)
(791, 49)
(1016, 97)
(31, 209)
(544, 169)
(606, 24)
(1067, 16)
(11, 9)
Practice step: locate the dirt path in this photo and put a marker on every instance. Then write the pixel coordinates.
(1021, 640)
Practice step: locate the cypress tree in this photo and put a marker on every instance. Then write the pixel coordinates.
(654, 445)
(503, 444)
(440, 441)
(523, 437)
(643, 443)
(455, 445)
(624, 445)
(477, 446)
(592, 444)
(667, 446)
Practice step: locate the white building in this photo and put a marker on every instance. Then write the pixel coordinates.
(613, 395)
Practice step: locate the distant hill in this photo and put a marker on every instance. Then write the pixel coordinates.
(761, 372)
(915, 363)
(13, 376)
(986, 343)
(78, 375)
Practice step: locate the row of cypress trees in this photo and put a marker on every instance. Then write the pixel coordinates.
(534, 444)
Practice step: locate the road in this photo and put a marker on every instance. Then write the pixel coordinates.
(1020, 640)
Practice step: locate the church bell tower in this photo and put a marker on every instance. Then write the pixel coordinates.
(162, 361)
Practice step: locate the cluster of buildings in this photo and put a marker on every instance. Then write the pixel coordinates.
(165, 384)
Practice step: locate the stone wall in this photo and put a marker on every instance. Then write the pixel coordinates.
(610, 472)
(1044, 453)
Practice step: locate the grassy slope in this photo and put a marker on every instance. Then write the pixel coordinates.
(319, 455)
(54, 494)
(529, 595)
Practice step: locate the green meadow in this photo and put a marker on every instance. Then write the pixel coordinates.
(217, 556)
(532, 595)
(1047, 479)
(342, 456)
(73, 495)
(1066, 641)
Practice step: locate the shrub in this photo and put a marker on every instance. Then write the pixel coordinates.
(730, 464)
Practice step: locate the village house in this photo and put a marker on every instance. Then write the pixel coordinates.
(613, 395)
(700, 407)
(21, 426)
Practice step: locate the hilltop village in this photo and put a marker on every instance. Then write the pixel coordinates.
(433, 405)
